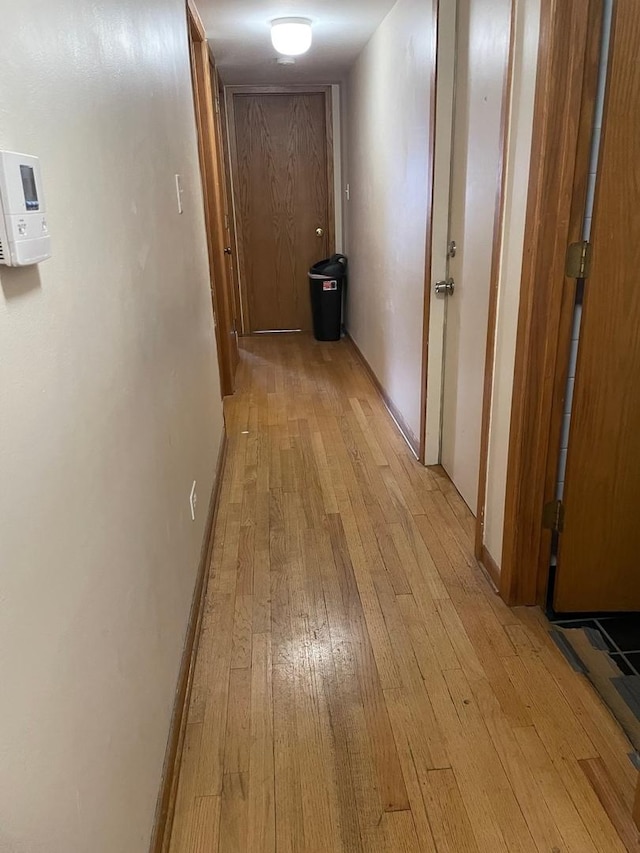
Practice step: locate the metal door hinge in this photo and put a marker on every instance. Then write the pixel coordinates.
(578, 260)
(553, 516)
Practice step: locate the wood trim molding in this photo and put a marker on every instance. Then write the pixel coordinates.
(494, 285)
(165, 808)
(565, 330)
(195, 21)
(490, 566)
(301, 89)
(433, 91)
(563, 83)
(331, 188)
(407, 433)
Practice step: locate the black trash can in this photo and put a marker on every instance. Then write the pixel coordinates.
(326, 283)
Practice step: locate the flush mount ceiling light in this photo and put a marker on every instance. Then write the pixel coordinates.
(291, 36)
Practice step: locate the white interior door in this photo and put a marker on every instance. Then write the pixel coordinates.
(446, 73)
(481, 58)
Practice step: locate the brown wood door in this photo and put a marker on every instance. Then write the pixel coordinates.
(282, 179)
(211, 168)
(599, 558)
(231, 249)
(226, 239)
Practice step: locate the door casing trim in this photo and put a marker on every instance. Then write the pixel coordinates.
(565, 97)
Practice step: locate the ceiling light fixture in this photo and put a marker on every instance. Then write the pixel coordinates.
(291, 36)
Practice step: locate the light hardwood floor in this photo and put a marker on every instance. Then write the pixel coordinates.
(359, 686)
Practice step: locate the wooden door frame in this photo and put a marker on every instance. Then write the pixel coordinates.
(563, 116)
(230, 92)
(210, 169)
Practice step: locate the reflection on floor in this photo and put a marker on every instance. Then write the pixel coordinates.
(359, 686)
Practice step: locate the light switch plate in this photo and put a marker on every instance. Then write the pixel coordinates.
(179, 192)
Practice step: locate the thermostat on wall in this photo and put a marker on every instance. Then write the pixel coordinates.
(24, 235)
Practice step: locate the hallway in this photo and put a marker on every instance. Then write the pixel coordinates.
(359, 686)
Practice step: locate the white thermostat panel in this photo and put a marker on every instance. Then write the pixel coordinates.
(24, 235)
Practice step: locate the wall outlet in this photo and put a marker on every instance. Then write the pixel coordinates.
(193, 501)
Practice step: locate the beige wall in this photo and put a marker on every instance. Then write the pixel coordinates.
(388, 148)
(109, 409)
(518, 165)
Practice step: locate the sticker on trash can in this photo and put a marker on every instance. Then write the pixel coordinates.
(329, 285)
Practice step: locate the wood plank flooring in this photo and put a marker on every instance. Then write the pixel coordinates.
(359, 686)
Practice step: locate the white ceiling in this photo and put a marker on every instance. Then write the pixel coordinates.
(239, 33)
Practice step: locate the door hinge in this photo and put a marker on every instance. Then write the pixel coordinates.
(578, 260)
(553, 516)
(217, 103)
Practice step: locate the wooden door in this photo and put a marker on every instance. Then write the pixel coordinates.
(599, 557)
(231, 249)
(284, 202)
(226, 238)
(212, 188)
(483, 39)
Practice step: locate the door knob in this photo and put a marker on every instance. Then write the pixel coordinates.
(319, 232)
(445, 287)
(227, 250)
